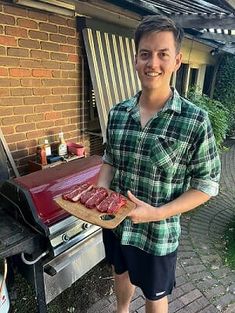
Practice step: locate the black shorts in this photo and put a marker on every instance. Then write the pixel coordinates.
(154, 275)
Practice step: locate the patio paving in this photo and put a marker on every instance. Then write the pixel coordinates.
(204, 283)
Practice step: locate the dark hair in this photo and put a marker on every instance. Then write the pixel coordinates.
(158, 23)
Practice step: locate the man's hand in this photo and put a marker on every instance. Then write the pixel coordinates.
(143, 212)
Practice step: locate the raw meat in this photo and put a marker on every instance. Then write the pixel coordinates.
(112, 203)
(75, 194)
(87, 195)
(93, 202)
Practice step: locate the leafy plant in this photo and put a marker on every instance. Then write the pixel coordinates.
(217, 112)
(224, 87)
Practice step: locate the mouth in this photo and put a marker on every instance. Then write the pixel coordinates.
(153, 74)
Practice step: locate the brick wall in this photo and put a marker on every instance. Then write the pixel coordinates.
(40, 80)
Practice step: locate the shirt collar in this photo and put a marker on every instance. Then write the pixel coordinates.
(173, 104)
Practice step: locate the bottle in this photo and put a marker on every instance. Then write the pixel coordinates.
(62, 148)
(47, 147)
(43, 156)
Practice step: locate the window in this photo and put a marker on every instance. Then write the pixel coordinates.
(207, 86)
(181, 79)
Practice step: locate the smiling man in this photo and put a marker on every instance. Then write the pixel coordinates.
(161, 153)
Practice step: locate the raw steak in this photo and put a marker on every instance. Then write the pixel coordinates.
(112, 203)
(101, 194)
(87, 195)
(75, 193)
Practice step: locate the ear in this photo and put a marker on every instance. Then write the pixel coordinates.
(135, 61)
(178, 60)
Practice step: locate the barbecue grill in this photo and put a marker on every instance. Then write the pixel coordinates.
(56, 248)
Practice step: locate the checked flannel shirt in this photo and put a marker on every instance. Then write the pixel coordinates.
(174, 151)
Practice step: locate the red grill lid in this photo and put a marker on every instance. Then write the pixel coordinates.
(47, 184)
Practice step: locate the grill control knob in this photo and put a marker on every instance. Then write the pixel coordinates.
(85, 226)
(65, 238)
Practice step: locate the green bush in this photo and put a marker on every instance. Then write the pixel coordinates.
(217, 112)
(224, 87)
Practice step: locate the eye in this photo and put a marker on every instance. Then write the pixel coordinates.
(144, 55)
(164, 55)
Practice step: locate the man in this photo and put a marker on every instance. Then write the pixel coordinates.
(160, 153)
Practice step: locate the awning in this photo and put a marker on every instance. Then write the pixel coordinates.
(110, 52)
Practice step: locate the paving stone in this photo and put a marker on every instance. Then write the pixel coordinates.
(224, 300)
(137, 303)
(98, 306)
(195, 268)
(191, 296)
(175, 305)
(214, 292)
(230, 309)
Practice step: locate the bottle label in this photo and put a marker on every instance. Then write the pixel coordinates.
(48, 150)
(62, 150)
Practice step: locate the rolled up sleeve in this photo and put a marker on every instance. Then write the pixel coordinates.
(204, 166)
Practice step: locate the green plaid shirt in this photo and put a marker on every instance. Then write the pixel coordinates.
(174, 151)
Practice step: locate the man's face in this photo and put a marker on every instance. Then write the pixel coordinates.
(156, 60)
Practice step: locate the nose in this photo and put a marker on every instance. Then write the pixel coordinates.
(153, 61)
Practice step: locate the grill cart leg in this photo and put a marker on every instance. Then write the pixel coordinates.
(39, 287)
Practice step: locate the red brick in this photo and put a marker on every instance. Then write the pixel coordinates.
(5, 82)
(26, 144)
(3, 71)
(57, 20)
(34, 34)
(39, 54)
(4, 92)
(11, 101)
(50, 64)
(6, 111)
(35, 134)
(14, 82)
(7, 19)
(48, 27)
(69, 98)
(25, 127)
(62, 122)
(15, 10)
(20, 72)
(41, 73)
(7, 41)
(7, 130)
(16, 31)
(71, 23)
(27, 23)
(41, 91)
(15, 137)
(59, 56)
(29, 43)
(56, 74)
(52, 115)
(58, 38)
(23, 110)
(33, 100)
(67, 66)
(38, 16)
(72, 41)
(2, 50)
(29, 63)
(44, 124)
(19, 154)
(21, 91)
(67, 74)
(70, 113)
(59, 91)
(73, 58)
(34, 118)
(49, 46)
(43, 108)
(12, 120)
(67, 31)
(1, 29)
(25, 82)
(51, 82)
(6, 61)
(18, 52)
(68, 82)
(73, 90)
(67, 49)
(52, 99)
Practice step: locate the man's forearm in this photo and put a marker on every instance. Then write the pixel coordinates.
(186, 202)
(105, 175)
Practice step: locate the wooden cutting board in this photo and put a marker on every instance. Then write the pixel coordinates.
(93, 216)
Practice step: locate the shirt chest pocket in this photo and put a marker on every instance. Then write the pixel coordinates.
(166, 151)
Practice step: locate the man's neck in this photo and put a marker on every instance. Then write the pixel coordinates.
(154, 100)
